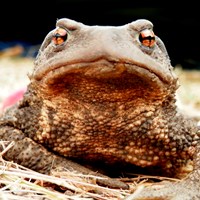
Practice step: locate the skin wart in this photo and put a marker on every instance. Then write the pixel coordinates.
(104, 93)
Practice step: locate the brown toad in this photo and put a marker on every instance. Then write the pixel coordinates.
(104, 93)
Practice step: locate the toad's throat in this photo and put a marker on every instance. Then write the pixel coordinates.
(121, 87)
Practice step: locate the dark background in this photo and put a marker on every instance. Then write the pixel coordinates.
(29, 22)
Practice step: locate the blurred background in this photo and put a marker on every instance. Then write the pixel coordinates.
(28, 22)
(25, 24)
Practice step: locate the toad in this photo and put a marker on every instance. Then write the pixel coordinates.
(104, 93)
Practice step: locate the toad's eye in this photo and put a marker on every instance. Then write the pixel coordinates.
(59, 36)
(147, 38)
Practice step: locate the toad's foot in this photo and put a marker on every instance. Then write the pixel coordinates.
(167, 191)
(186, 189)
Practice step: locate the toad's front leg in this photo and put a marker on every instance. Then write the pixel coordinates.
(186, 189)
(32, 155)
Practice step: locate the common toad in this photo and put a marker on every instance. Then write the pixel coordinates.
(104, 93)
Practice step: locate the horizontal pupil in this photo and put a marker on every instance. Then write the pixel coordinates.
(57, 35)
(146, 38)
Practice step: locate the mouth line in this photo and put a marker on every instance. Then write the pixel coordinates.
(99, 69)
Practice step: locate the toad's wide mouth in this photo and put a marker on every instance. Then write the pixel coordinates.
(112, 81)
(101, 69)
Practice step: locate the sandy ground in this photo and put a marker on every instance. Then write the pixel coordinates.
(188, 94)
(14, 75)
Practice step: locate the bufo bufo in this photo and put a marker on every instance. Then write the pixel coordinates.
(104, 93)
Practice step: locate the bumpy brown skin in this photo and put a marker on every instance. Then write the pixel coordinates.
(101, 94)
